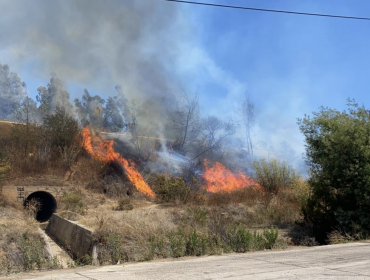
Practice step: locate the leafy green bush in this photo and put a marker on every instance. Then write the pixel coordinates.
(196, 244)
(258, 241)
(170, 189)
(338, 154)
(113, 245)
(25, 252)
(240, 239)
(177, 244)
(271, 235)
(32, 252)
(197, 216)
(157, 246)
(215, 245)
(274, 176)
(85, 260)
(109, 247)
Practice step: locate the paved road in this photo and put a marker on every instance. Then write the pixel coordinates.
(345, 261)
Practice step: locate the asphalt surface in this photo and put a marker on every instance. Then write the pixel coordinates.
(344, 261)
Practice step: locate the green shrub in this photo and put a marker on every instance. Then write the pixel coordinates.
(32, 252)
(196, 244)
(258, 241)
(177, 244)
(157, 247)
(170, 189)
(198, 216)
(271, 236)
(215, 245)
(55, 263)
(240, 239)
(85, 260)
(25, 252)
(274, 176)
(109, 247)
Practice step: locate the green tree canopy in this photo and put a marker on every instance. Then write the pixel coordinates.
(338, 154)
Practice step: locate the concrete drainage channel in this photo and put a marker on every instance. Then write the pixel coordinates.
(65, 240)
(77, 240)
(60, 235)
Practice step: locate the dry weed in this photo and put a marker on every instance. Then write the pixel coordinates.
(21, 245)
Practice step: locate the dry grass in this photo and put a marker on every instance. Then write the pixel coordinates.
(87, 170)
(149, 230)
(247, 196)
(5, 129)
(21, 245)
(204, 225)
(134, 228)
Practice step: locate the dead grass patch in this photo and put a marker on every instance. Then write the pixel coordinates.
(21, 246)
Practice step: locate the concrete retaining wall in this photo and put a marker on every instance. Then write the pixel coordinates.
(73, 237)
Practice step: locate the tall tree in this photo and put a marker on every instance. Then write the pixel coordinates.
(215, 137)
(247, 112)
(186, 123)
(90, 109)
(113, 120)
(52, 96)
(64, 135)
(12, 91)
(26, 132)
(27, 112)
(338, 154)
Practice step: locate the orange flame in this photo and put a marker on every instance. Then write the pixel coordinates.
(104, 151)
(220, 179)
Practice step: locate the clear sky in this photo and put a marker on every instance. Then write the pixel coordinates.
(289, 65)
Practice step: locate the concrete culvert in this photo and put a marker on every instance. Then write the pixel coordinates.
(47, 205)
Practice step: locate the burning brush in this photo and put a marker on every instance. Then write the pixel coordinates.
(104, 150)
(220, 179)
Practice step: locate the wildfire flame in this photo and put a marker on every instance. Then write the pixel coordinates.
(220, 179)
(104, 150)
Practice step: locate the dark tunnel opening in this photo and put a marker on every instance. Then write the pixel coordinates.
(47, 205)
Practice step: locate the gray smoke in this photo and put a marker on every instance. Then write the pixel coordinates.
(98, 44)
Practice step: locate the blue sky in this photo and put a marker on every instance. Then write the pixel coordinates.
(289, 65)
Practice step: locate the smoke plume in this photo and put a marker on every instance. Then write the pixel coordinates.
(98, 44)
